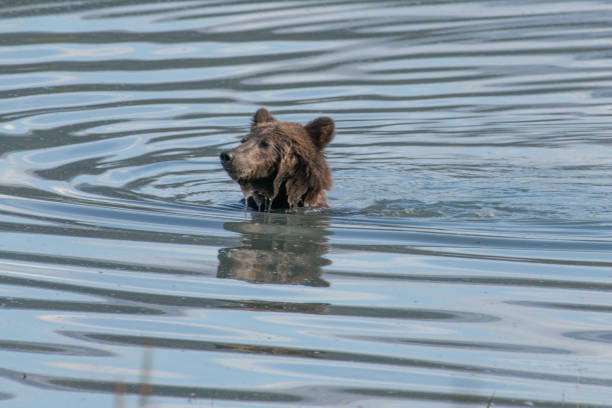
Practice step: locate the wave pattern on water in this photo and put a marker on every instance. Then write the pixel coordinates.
(465, 260)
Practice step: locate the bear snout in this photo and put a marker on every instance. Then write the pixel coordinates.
(226, 157)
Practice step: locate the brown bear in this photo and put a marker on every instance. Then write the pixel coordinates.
(282, 164)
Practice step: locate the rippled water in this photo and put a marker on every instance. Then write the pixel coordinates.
(466, 259)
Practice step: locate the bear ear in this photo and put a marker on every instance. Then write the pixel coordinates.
(262, 116)
(321, 131)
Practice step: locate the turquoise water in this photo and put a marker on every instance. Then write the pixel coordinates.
(466, 258)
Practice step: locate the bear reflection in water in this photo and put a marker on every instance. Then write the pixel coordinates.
(277, 248)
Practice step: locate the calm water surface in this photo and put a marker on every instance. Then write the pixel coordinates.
(466, 259)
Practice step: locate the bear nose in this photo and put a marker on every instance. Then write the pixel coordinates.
(226, 157)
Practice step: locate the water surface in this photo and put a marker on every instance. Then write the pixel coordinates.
(466, 259)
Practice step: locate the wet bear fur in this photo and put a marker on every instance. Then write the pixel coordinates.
(282, 164)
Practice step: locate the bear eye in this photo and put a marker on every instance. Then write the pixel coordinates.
(263, 144)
